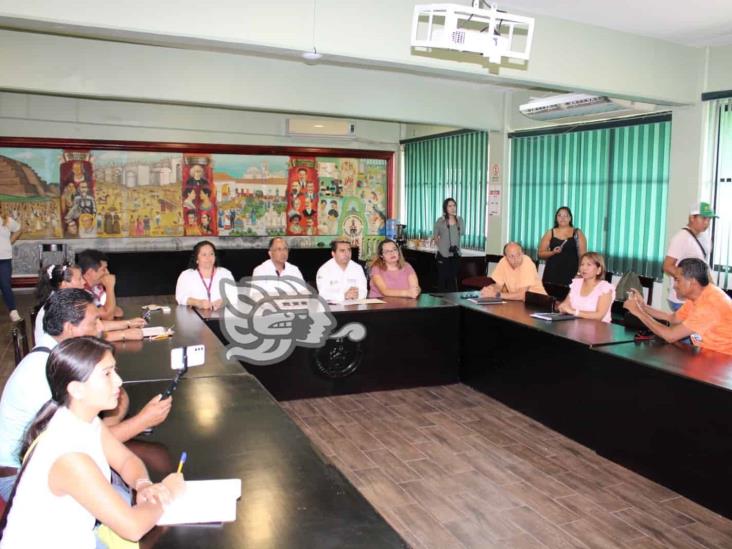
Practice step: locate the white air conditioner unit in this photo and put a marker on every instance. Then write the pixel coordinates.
(312, 127)
(581, 106)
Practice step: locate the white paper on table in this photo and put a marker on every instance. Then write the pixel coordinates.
(204, 501)
(153, 331)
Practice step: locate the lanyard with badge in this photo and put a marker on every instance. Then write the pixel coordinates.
(210, 282)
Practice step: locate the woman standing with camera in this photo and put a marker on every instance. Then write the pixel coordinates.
(446, 235)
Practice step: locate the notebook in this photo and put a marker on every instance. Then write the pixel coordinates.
(552, 317)
(204, 501)
(486, 300)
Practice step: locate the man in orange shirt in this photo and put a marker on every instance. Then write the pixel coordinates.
(705, 316)
(514, 275)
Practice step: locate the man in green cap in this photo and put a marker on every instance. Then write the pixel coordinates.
(691, 241)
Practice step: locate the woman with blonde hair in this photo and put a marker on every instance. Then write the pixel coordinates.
(391, 276)
(590, 295)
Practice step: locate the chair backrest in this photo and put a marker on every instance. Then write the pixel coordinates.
(491, 258)
(20, 340)
(44, 248)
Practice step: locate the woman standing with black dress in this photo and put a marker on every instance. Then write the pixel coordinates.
(561, 247)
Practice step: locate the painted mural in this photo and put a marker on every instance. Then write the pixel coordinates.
(57, 193)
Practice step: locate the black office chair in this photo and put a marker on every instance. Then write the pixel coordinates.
(20, 340)
(618, 313)
(476, 281)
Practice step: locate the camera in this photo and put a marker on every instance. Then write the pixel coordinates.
(454, 251)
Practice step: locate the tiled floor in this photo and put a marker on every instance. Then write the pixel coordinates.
(450, 467)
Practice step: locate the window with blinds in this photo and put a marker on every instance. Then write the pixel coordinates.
(439, 167)
(615, 181)
(720, 141)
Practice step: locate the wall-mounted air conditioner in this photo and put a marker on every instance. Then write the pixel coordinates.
(312, 127)
(581, 106)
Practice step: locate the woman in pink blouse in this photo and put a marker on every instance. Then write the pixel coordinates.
(590, 295)
(391, 276)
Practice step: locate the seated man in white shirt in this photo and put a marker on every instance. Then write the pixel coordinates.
(277, 264)
(341, 279)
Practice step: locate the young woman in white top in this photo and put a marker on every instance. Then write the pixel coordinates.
(63, 485)
(590, 295)
(9, 233)
(198, 286)
(64, 275)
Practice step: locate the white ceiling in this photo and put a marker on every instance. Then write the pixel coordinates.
(692, 23)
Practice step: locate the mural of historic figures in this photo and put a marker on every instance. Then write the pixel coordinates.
(78, 200)
(251, 193)
(302, 197)
(76, 193)
(138, 193)
(199, 196)
(29, 190)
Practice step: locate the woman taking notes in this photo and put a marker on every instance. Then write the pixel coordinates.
(590, 296)
(198, 286)
(63, 485)
(561, 247)
(391, 276)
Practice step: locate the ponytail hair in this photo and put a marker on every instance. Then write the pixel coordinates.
(73, 359)
(50, 279)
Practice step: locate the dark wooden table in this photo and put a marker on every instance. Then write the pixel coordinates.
(409, 343)
(150, 360)
(291, 497)
(537, 368)
(663, 410)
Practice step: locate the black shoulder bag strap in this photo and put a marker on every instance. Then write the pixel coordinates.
(704, 252)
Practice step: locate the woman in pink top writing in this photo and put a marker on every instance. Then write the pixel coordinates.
(590, 296)
(391, 276)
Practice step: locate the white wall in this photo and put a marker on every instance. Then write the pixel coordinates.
(97, 69)
(719, 72)
(565, 55)
(32, 115)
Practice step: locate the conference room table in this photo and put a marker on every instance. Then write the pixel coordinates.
(408, 343)
(150, 360)
(665, 412)
(659, 409)
(537, 367)
(231, 427)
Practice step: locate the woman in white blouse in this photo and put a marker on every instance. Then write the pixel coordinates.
(590, 296)
(63, 485)
(198, 286)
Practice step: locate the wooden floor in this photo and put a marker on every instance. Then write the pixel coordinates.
(450, 467)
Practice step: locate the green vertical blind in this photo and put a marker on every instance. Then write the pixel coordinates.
(440, 167)
(615, 182)
(721, 126)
